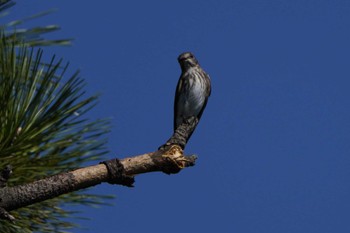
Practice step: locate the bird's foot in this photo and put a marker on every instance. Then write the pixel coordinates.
(165, 146)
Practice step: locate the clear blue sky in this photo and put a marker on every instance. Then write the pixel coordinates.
(274, 141)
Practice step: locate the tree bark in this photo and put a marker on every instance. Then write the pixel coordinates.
(169, 161)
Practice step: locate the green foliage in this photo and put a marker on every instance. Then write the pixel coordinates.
(15, 32)
(43, 128)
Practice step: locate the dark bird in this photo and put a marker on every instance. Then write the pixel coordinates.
(192, 91)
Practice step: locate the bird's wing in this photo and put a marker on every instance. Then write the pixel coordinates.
(209, 86)
(178, 90)
(206, 99)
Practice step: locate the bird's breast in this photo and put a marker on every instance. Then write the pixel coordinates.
(193, 94)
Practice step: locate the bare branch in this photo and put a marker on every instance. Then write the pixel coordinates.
(169, 161)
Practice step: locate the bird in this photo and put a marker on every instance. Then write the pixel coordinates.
(192, 91)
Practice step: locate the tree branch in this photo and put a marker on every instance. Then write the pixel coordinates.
(169, 161)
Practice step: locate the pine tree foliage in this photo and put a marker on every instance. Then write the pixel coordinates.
(19, 34)
(43, 126)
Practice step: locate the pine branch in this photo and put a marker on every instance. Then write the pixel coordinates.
(169, 161)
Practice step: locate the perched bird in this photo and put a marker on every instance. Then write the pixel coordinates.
(192, 91)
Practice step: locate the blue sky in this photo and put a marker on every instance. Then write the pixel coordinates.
(273, 143)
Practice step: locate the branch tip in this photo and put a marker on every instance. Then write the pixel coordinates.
(175, 160)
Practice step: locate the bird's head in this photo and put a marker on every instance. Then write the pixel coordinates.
(187, 60)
